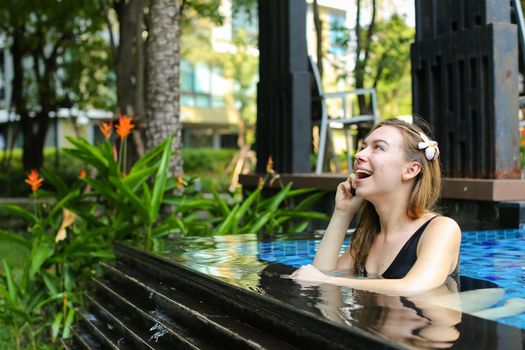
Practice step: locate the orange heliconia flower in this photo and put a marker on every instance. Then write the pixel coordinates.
(82, 174)
(269, 165)
(33, 180)
(106, 128)
(124, 126)
(180, 181)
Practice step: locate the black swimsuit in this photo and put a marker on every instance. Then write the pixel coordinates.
(407, 256)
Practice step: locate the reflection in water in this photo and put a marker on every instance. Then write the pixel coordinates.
(431, 320)
(220, 256)
(411, 322)
(406, 321)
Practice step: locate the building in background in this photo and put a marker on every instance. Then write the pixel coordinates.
(209, 113)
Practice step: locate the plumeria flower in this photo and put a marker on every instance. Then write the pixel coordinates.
(124, 126)
(33, 180)
(430, 147)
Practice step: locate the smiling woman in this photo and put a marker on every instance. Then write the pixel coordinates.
(401, 244)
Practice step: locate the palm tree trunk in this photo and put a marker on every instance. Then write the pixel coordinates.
(163, 73)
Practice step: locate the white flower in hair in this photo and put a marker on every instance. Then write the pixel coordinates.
(430, 147)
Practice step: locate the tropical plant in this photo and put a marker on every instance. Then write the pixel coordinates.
(71, 229)
(222, 214)
(37, 285)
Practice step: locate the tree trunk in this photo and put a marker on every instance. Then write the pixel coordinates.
(128, 17)
(34, 131)
(163, 76)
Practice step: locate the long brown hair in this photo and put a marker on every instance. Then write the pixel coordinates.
(425, 192)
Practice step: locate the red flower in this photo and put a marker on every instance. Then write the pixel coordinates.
(105, 129)
(33, 180)
(124, 126)
(82, 174)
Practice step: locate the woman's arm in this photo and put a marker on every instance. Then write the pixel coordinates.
(346, 205)
(437, 256)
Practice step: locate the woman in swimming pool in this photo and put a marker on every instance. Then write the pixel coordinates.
(400, 243)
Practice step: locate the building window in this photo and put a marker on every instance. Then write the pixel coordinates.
(337, 34)
(202, 86)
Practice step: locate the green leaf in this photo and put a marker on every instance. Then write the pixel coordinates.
(302, 214)
(68, 279)
(66, 333)
(107, 191)
(168, 226)
(300, 227)
(137, 178)
(309, 201)
(41, 252)
(50, 284)
(103, 255)
(299, 191)
(254, 196)
(279, 197)
(54, 180)
(89, 153)
(260, 223)
(137, 203)
(146, 192)
(222, 204)
(55, 327)
(59, 296)
(192, 204)
(58, 206)
(21, 212)
(147, 158)
(12, 289)
(160, 180)
(35, 299)
(227, 225)
(14, 248)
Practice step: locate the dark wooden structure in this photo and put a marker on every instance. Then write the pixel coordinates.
(465, 83)
(283, 92)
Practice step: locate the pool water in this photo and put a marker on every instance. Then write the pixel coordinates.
(495, 256)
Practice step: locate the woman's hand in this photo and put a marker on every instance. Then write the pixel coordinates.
(344, 199)
(309, 273)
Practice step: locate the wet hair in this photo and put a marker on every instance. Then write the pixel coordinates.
(423, 197)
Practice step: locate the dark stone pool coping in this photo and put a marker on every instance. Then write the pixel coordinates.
(294, 319)
(302, 328)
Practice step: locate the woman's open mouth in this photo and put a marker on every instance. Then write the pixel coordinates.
(362, 174)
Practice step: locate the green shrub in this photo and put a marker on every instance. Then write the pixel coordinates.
(206, 163)
(206, 160)
(12, 179)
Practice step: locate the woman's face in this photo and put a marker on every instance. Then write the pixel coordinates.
(380, 163)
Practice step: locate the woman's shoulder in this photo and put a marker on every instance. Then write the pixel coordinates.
(443, 226)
